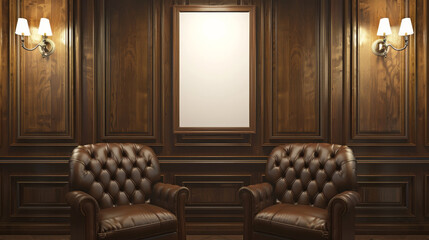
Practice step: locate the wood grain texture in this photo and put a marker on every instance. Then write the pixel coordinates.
(4, 65)
(41, 196)
(296, 70)
(42, 89)
(383, 89)
(387, 196)
(129, 81)
(394, 180)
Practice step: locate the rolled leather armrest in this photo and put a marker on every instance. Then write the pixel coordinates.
(169, 196)
(84, 211)
(260, 196)
(341, 209)
(172, 198)
(254, 198)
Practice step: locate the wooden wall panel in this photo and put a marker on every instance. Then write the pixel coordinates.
(213, 190)
(296, 71)
(317, 81)
(386, 196)
(383, 89)
(40, 196)
(42, 89)
(129, 93)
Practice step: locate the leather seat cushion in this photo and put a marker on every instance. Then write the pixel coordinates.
(293, 221)
(135, 222)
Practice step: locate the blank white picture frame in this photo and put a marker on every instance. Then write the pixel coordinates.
(213, 70)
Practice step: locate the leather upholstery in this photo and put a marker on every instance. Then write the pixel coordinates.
(114, 174)
(297, 220)
(112, 186)
(313, 185)
(139, 220)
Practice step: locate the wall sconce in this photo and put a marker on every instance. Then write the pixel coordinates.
(380, 47)
(47, 46)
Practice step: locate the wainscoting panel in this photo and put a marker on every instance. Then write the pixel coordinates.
(390, 196)
(41, 196)
(111, 80)
(387, 196)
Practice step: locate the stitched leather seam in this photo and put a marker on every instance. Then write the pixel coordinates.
(128, 228)
(295, 226)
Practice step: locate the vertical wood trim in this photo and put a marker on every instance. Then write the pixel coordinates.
(337, 23)
(88, 73)
(423, 59)
(4, 44)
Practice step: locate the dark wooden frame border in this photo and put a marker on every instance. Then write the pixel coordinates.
(252, 67)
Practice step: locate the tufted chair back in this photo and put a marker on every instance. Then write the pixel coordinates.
(310, 174)
(114, 174)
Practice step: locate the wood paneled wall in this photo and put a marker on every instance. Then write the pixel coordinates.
(110, 80)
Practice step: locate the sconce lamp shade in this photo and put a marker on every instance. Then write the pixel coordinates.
(22, 27)
(45, 27)
(406, 27)
(384, 27)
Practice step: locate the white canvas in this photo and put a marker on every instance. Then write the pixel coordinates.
(214, 69)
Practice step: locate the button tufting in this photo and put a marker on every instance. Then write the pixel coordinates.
(332, 155)
(301, 154)
(316, 154)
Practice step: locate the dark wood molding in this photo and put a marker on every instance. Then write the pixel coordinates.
(392, 148)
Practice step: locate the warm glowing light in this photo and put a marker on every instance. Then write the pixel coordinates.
(406, 27)
(22, 27)
(384, 27)
(45, 27)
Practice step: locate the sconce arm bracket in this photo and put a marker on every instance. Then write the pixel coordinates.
(380, 47)
(26, 48)
(44, 50)
(400, 49)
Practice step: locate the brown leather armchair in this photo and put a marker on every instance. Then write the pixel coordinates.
(309, 195)
(116, 195)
